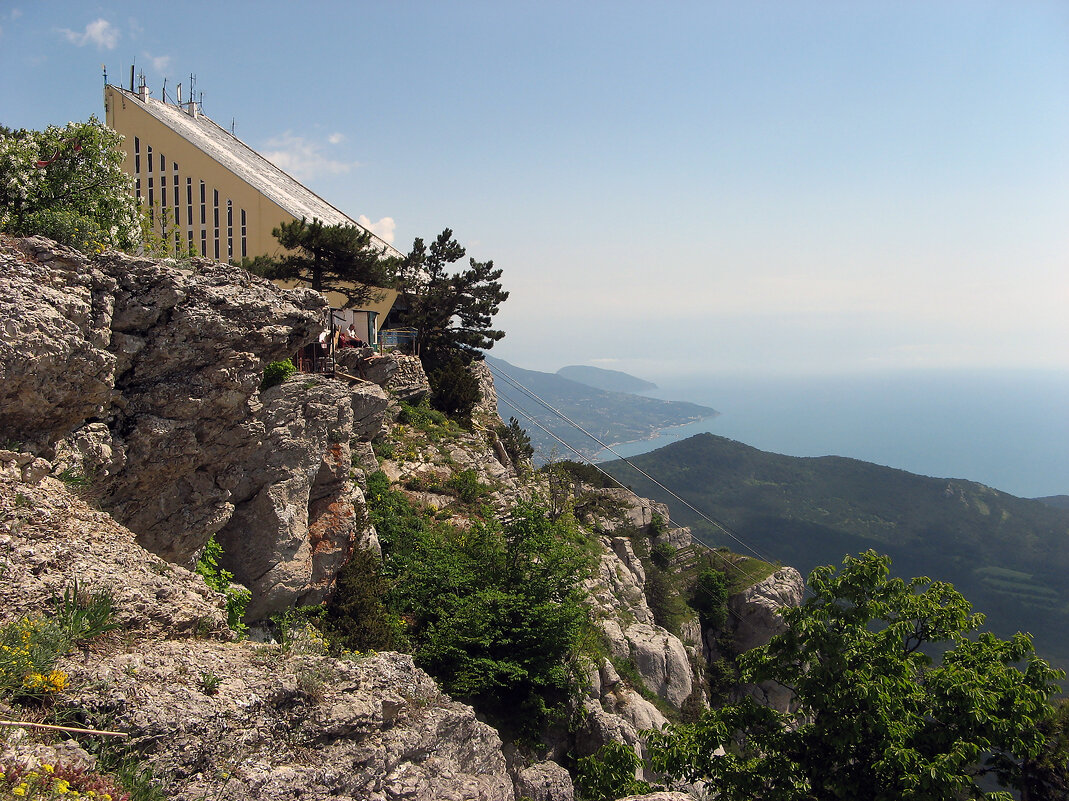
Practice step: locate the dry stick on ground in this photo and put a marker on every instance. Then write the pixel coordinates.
(22, 724)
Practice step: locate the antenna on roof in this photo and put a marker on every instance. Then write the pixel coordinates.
(131, 77)
(179, 90)
(163, 94)
(233, 122)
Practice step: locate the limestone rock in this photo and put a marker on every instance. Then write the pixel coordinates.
(277, 726)
(630, 509)
(661, 661)
(756, 610)
(55, 369)
(754, 615)
(545, 781)
(369, 402)
(295, 517)
(169, 359)
(402, 375)
(50, 540)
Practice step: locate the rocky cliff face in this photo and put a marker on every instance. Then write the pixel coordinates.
(223, 719)
(149, 373)
(141, 380)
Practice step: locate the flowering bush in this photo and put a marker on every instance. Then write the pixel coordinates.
(28, 652)
(54, 782)
(67, 183)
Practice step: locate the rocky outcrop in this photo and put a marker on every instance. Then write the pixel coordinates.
(220, 719)
(297, 512)
(152, 368)
(51, 541)
(277, 726)
(755, 612)
(616, 592)
(753, 619)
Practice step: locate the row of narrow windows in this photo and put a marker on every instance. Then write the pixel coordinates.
(169, 208)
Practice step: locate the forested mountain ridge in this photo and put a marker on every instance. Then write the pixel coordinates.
(609, 380)
(612, 417)
(1008, 555)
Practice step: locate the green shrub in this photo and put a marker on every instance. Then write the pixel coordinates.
(30, 647)
(237, 598)
(421, 416)
(493, 611)
(356, 618)
(658, 525)
(662, 554)
(709, 597)
(609, 774)
(467, 486)
(277, 372)
(83, 615)
(669, 609)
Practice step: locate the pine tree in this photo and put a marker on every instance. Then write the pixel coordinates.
(330, 258)
(453, 312)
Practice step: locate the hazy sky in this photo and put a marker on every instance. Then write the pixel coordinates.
(771, 186)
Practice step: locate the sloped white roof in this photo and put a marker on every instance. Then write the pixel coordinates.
(250, 166)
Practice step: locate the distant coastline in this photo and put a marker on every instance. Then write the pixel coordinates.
(603, 455)
(1003, 428)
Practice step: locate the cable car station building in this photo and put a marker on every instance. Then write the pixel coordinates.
(215, 195)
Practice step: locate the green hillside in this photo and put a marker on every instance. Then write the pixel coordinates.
(609, 380)
(1008, 555)
(612, 417)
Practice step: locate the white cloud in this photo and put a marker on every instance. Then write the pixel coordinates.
(159, 63)
(99, 32)
(336, 138)
(384, 228)
(302, 158)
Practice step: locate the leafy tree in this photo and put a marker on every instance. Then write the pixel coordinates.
(1046, 776)
(875, 716)
(453, 311)
(609, 774)
(330, 258)
(67, 183)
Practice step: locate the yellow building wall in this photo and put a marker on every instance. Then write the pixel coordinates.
(143, 131)
(192, 167)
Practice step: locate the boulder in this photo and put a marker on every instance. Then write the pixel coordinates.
(545, 781)
(661, 660)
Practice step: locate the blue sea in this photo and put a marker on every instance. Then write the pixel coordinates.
(1006, 429)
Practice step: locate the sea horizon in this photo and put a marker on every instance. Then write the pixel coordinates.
(1007, 429)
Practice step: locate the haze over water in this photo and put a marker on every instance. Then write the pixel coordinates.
(1008, 429)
